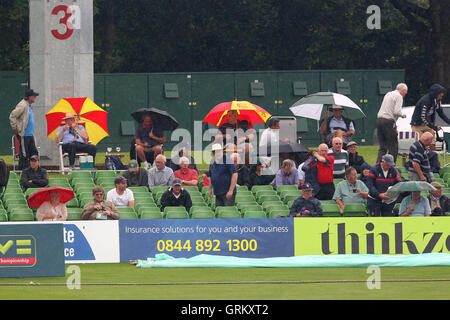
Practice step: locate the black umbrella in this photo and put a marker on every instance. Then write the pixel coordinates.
(162, 118)
(286, 147)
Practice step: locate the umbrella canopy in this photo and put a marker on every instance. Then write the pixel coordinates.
(94, 118)
(410, 186)
(287, 147)
(246, 111)
(42, 195)
(312, 106)
(162, 118)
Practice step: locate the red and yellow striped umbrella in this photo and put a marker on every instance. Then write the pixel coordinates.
(246, 111)
(91, 115)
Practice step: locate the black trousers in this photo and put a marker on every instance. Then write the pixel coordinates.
(74, 147)
(326, 191)
(387, 137)
(27, 148)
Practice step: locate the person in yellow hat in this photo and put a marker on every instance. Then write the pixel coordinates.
(74, 138)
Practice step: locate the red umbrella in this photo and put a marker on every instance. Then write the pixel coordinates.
(246, 111)
(39, 197)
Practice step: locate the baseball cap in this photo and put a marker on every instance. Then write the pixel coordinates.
(176, 182)
(436, 185)
(34, 157)
(307, 186)
(336, 107)
(120, 179)
(389, 159)
(351, 143)
(30, 92)
(133, 166)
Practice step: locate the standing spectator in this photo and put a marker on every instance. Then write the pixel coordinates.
(350, 190)
(160, 175)
(354, 159)
(340, 158)
(242, 171)
(74, 139)
(301, 173)
(287, 174)
(365, 170)
(337, 126)
(121, 196)
(34, 176)
(419, 165)
(306, 205)
(433, 158)
(176, 196)
(319, 173)
(188, 177)
(223, 177)
(135, 175)
(414, 205)
(149, 139)
(439, 203)
(22, 123)
(390, 111)
(271, 135)
(382, 176)
(425, 111)
(99, 209)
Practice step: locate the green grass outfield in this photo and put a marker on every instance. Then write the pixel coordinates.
(125, 281)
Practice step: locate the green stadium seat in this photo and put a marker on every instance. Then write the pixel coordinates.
(250, 207)
(254, 214)
(175, 213)
(21, 216)
(157, 189)
(282, 188)
(74, 214)
(145, 215)
(104, 173)
(241, 188)
(261, 187)
(29, 191)
(227, 212)
(59, 182)
(11, 203)
(139, 190)
(355, 210)
(266, 198)
(72, 203)
(14, 196)
(199, 214)
(445, 170)
(278, 213)
(191, 189)
(80, 174)
(267, 204)
(331, 210)
(127, 213)
(270, 209)
(3, 217)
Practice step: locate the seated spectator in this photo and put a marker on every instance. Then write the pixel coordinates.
(176, 196)
(337, 126)
(135, 175)
(414, 205)
(340, 158)
(160, 175)
(365, 170)
(149, 139)
(260, 174)
(306, 205)
(188, 177)
(439, 203)
(34, 176)
(287, 175)
(52, 210)
(121, 196)
(99, 209)
(183, 152)
(319, 173)
(242, 170)
(433, 158)
(350, 190)
(354, 159)
(74, 139)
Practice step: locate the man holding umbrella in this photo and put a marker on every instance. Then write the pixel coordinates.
(149, 139)
(337, 126)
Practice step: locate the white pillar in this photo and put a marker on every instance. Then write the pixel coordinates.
(61, 60)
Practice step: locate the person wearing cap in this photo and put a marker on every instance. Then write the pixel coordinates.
(390, 111)
(337, 126)
(99, 209)
(223, 175)
(439, 203)
(34, 176)
(354, 159)
(419, 168)
(382, 176)
(350, 190)
(74, 138)
(188, 177)
(22, 123)
(176, 196)
(121, 196)
(160, 174)
(306, 205)
(135, 176)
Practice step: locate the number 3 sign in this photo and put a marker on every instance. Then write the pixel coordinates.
(71, 20)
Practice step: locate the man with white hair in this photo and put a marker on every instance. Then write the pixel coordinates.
(390, 111)
(160, 175)
(188, 177)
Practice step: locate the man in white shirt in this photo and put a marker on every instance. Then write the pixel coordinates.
(270, 135)
(390, 111)
(121, 196)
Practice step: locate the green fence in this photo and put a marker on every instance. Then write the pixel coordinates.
(189, 97)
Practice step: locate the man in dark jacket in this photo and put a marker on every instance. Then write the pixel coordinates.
(135, 175)
(382, 175)
(34, 176)
(354, 159)
(176, 196)
(306, 205)
(439, 203)
(425, 112)
(242, 171)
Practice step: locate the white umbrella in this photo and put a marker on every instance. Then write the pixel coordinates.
(312, 106)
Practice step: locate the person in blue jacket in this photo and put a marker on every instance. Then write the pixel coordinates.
(306, 205)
